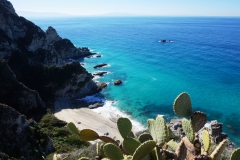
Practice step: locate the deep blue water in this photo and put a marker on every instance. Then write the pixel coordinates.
(203, 60)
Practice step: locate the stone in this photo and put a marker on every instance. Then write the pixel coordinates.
(100, 65)
(99, 73)
(96, 105)
(118, 82)
(101, 85)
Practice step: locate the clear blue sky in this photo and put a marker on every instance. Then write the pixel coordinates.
(137, 7)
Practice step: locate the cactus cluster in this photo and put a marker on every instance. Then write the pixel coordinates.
(159, 143)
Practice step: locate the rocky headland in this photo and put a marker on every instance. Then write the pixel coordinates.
(34, 72)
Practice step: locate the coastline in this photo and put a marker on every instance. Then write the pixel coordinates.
(102, 119)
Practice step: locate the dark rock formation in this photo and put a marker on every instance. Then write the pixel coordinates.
(99, 73)
(215, 130)
(16, 94)
(100, 65)
(21, 138)
(34, 72)
(29, 51)
(101, 85)
(117, 82)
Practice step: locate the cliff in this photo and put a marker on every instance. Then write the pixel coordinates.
(21, 138)
(33, 73)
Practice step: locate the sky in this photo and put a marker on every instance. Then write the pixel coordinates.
(132, 7)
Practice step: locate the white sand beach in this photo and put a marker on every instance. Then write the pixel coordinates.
(102, 119)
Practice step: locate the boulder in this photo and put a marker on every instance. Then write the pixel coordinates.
(98, 104)
(117, 82)
(101, 85)
(99, 73)
(100, 65)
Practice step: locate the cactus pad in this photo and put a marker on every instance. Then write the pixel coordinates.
(206, 140)
(88, 135)
(145, 137)
(173, 145)
(71, 126)
(198, 120)
(108, 140)
(161, 130)
(235, 154)
(112, 152)
(182, 105)
(151, 128)
(188, 129)
(144, 149)
(130, 145)
(124, 126)
(218, 151)
(131, 134)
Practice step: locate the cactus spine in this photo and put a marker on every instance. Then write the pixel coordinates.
(124, 126)
(182, 105)
(235, 154)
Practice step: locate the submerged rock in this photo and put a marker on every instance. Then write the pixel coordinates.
(100, 65)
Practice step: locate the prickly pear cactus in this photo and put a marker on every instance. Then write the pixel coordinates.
(130, 145)
(144, 149)
(145, 137)
(173, 145)
(161, 130)
(151, 128)
(88, 135)
(107, 140)
(198, 120)
(112, 152)
(235, 154)
(218, 151)
(188, 130)
(206, 140)
(71, 126)
(182, 105)
(124, 126)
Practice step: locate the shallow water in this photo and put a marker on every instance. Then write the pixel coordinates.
(202, 59)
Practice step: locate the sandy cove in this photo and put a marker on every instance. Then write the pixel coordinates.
(85, 118)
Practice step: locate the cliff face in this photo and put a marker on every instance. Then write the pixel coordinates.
(16, 94)
(21, 138)
(33, 72)
(29, 50)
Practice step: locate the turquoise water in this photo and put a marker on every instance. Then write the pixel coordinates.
(203, 59)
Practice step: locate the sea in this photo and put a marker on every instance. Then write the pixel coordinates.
(201, 57)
